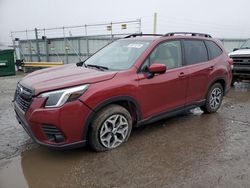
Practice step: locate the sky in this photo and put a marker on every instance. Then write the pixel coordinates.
(220, 18)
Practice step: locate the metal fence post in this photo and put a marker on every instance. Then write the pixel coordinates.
(79, 48)
(29, 42)
(140, 25)
(87, 40)
(111, 31)
(46, 45)
(65, 48)
(37, 46)
(14, 46)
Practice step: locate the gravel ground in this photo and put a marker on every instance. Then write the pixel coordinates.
(193, 150)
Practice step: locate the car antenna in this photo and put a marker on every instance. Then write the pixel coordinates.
(81, 63)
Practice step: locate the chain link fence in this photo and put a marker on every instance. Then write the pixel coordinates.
(69, 44)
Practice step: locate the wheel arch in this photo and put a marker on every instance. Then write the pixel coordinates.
(220, 80)
(128, 102)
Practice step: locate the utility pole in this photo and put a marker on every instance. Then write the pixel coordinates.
(155, 22)
(37, 46)
(14, 45)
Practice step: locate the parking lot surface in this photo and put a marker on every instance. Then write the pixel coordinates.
(192, 150)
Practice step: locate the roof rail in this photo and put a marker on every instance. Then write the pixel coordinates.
(188, 33)
(141, 34)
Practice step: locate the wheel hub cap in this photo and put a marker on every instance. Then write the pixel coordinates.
(215, 98)
(114, 131)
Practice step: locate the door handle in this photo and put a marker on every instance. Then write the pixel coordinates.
(182, 75)
(211, 68)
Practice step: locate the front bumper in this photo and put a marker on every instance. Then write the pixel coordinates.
(69, 119)
(241, 72)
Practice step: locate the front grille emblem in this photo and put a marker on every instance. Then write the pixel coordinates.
(245, 60)
(20, 91)
(23, 97)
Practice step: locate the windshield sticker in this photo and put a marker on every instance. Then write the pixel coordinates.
(135, 45)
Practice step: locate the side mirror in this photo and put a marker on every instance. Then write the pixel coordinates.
(235, 49)
(156, 68)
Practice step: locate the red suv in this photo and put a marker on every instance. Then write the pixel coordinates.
(133, 81)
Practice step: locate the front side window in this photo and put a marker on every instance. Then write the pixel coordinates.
(167, 53)
(195, 51)
(119, 55)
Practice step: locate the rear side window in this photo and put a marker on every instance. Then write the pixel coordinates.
(195, 51)
(213, 49)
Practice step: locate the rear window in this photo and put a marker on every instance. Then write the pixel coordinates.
(195, 52)
(213, 49)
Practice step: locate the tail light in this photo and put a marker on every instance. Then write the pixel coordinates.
(231, 62)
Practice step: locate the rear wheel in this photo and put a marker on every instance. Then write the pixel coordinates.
(213, 99)
(110, 128)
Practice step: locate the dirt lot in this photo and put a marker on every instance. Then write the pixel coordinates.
(192, 150)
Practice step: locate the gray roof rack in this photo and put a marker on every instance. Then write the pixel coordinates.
(141, 34)
(188, 33)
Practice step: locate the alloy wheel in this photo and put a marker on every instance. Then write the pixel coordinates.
(215, 98)
(114, 131)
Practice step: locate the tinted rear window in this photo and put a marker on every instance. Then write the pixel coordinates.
(213, 49)
(195, 51)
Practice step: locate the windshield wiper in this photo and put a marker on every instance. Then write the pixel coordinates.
(245, 48)
(97, 66)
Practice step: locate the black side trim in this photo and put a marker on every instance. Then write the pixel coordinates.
(171, 113)
(105, 103)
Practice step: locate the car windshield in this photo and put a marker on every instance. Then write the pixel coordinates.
(119, 55)
(246, 45)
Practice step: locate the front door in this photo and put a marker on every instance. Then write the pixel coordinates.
(163, 92)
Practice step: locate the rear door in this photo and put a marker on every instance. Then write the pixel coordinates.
(167, 91)
(199, 67)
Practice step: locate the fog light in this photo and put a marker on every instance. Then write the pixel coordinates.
(53, 133)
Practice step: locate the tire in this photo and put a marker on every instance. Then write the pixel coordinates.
(110, 128)
(214, 99)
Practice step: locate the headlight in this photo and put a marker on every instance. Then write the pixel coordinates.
(60, 97)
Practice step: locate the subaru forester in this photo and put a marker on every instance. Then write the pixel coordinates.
(133, 81)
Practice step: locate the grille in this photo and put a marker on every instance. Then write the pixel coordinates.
(241, 65)
(53, 133)
(241, 60)
(23, 97)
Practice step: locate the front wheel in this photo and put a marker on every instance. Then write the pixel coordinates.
(213, 99)
(111, 127)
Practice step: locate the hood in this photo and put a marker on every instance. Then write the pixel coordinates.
(240, 52)
(64, 76)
